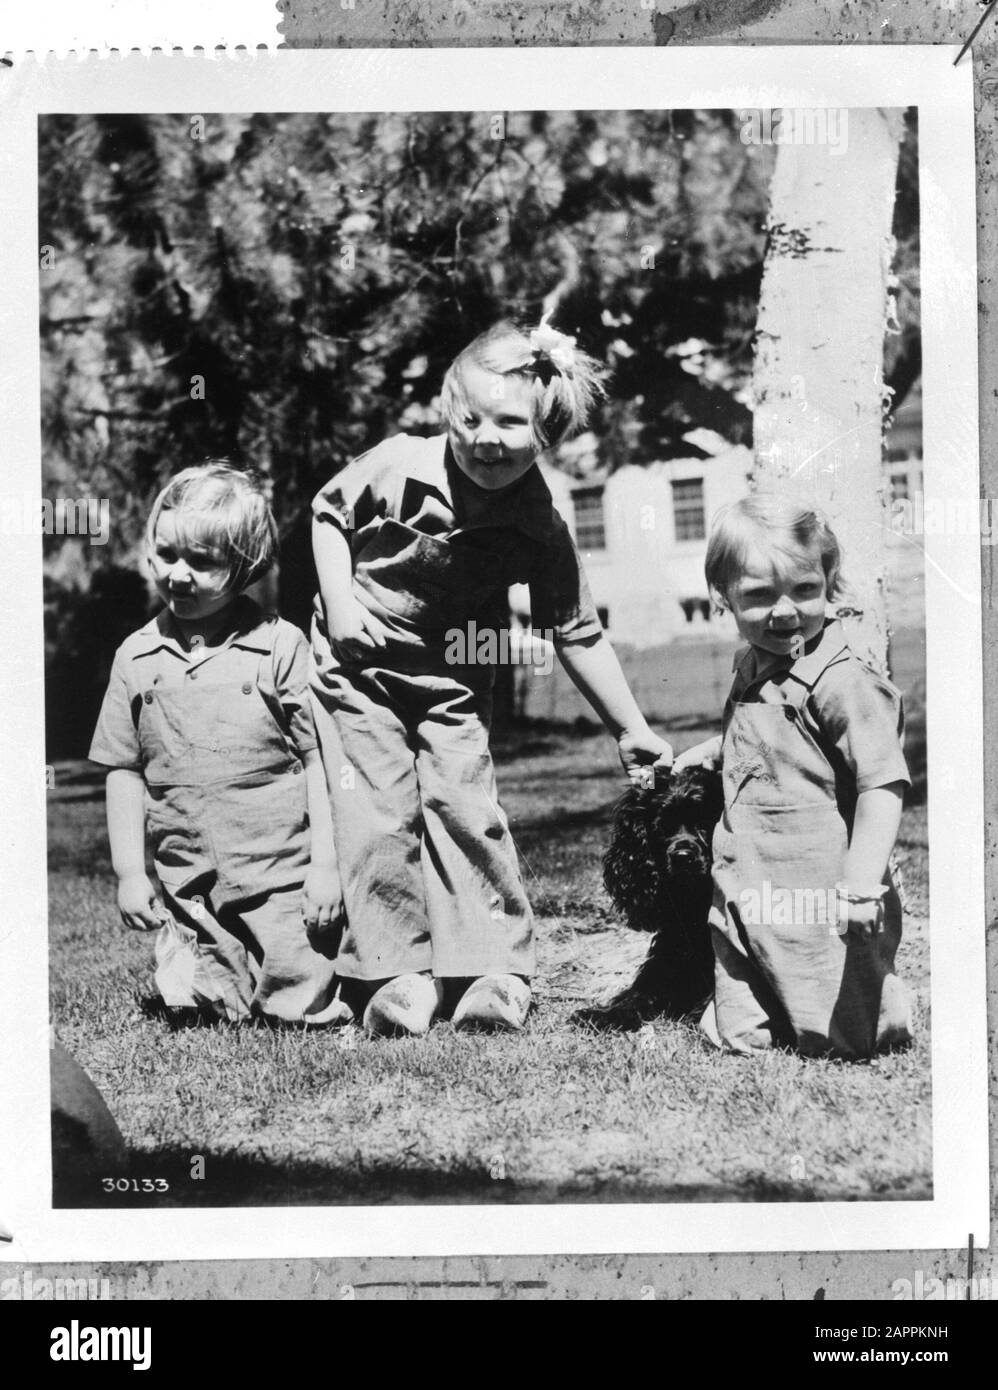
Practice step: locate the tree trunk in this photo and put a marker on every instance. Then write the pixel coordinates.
(818, 376)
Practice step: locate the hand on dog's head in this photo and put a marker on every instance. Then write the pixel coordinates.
(660, 847)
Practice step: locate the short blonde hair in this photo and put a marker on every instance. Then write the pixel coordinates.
(785, 528)
(563, 392)
(216, 506)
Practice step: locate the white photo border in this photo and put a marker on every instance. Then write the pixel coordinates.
(500, 80)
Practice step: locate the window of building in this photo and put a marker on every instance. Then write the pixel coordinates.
(688, 510)
(899, 485)
(695, 608)
(590, 524)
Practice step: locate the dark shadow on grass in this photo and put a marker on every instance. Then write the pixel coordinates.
(233, 1180)
(688, 723)
(564, 821)
(532, 738)
(528, 738)
(77, 781)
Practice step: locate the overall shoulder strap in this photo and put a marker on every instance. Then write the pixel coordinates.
(845, 785)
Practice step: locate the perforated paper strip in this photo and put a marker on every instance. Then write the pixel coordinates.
(101, 26)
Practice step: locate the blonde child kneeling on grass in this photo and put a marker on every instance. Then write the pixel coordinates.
(806, 918)
(207, 730)
(415, 541)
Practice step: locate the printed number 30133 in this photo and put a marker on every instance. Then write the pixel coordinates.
(135, 1184)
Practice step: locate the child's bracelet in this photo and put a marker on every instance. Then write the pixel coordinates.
(859, 898)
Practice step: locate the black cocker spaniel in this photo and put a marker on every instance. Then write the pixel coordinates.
(657, 872)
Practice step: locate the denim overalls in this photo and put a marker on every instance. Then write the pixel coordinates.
(787, 972)
(429, 868)
(226, 817)
(430, 875)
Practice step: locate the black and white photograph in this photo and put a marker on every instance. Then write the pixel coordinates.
(500, 614)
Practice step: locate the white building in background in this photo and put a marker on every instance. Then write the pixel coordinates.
(643, 536)
(642, 532)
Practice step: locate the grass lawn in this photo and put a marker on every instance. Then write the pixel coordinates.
(553, 1114)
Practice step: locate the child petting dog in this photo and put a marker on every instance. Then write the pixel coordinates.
(206, 731)
(413, 541)
(813, 776)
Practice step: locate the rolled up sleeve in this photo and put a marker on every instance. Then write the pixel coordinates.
(864, 717)
(561, 604)
(362, 491)
(291, 688)
(115, 743)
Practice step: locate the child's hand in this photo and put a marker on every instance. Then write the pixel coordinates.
(322, 903)
(706, 754)
(861, 913)
(138, 904)
(640, 751)
(353, 631)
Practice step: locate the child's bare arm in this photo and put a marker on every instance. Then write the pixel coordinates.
(352, 629)
(875, 829)
(334, 566)
(595, 670)
(706, 754)
(126, 828)
(323, 903)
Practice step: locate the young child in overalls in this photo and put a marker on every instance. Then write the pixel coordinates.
(416, 544)
(806, 918)
(207, 730)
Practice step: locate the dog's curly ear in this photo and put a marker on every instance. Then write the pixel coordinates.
(628, 874)
(713, 793)
(628, 845)
(705, 786)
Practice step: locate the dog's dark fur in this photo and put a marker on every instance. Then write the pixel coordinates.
(657, 871)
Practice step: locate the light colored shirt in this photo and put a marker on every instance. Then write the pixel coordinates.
(258, 650)
(849, 708)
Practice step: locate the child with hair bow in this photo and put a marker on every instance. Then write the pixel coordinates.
(414, 539)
